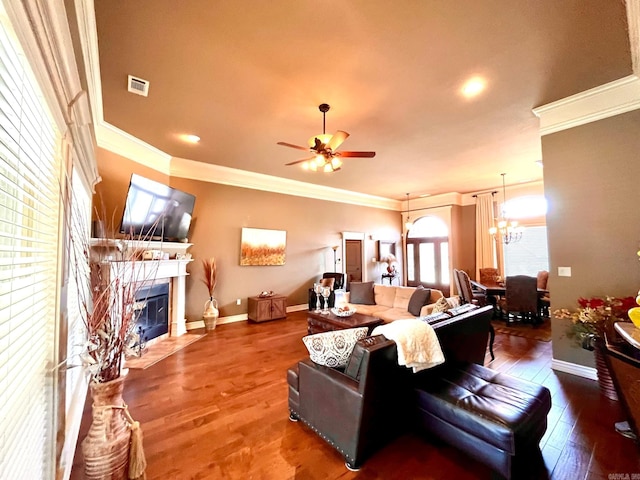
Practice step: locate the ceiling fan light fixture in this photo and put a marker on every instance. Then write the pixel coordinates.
(324, 139)
(324, 148)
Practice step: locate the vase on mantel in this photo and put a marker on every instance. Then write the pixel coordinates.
(210, 314)
(106, 446)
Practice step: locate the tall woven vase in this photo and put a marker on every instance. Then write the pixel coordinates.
(106, 446)
(607, 388)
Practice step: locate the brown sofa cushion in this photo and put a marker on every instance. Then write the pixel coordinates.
(418, 299)
(362, 293)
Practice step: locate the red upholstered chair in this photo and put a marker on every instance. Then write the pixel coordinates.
(489, 276)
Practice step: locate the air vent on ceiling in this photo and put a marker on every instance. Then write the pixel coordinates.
(138, 86)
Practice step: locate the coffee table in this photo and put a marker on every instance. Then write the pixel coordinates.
(318, 322)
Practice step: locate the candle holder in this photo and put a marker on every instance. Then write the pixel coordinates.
(317, 288)
(326, 292)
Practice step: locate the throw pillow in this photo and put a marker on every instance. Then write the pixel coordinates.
(454, 301)
(418, 299)
(332, 349)
(441, 305)
(362, 293)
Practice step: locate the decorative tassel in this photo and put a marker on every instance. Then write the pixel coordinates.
(137, 460)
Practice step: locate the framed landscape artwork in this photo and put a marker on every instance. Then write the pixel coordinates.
(263, 247)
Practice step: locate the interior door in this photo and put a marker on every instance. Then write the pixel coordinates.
(353, 260)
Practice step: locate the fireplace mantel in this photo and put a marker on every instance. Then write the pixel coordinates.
(174, 269)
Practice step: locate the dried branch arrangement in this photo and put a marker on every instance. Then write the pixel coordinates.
(107, 277)
(210, 274)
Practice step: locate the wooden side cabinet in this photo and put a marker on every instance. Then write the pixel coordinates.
(262, 309)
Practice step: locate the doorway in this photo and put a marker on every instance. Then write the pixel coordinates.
(353, 260)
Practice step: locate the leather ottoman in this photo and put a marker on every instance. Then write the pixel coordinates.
(491, 416)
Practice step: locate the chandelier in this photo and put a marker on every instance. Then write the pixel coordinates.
(507, 230)
(408, 224)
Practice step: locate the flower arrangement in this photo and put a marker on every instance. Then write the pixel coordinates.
(210, 278)
(595, 316)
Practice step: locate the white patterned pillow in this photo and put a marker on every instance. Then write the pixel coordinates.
(441, 305)
(454, 302)
(333, 349)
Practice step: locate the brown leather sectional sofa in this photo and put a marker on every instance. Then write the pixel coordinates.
(373, 400)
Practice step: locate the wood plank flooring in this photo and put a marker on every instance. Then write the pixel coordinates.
(217, 409)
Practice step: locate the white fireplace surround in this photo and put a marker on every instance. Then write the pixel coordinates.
(174, 270)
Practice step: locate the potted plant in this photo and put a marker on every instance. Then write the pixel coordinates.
(210, 279)
(591, 324)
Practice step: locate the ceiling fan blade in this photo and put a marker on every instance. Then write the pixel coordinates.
(300, 161)
(291, 145)
(356, 154)
(336, 140)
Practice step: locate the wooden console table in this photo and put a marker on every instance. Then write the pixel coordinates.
(262, 309)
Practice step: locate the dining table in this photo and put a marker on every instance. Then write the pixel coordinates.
(495, 291)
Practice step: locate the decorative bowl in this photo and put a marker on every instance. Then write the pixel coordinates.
(343, 313)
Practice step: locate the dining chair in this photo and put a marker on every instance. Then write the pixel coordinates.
(544, 302)
(521, 299)
(467, 295)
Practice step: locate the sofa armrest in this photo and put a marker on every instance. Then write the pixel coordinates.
(356, 414)
(426, 309)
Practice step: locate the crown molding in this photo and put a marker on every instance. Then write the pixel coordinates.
(184, 168)
(118, 141)
(608, 100)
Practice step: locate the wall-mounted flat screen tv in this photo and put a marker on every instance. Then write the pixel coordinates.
(154, 210)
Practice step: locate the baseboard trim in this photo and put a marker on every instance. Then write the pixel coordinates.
(240, 318)
(574, 369)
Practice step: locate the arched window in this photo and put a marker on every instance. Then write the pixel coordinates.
(428, 254)
(526, 206)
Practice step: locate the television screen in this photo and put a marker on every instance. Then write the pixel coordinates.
(153, 209)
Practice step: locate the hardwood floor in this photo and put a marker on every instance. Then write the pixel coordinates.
(218, 409)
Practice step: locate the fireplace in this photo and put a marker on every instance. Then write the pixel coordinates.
(153, 316)
(168, 277)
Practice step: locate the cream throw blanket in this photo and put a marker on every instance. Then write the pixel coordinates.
(418, 345)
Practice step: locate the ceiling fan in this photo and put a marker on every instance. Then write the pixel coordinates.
(324, 149)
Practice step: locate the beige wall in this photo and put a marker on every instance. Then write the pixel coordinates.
(591, 178)
(221, 211)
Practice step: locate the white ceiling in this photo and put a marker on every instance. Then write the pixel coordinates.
(244, 75)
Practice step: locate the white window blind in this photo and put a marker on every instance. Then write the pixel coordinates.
(29, 236)
(529, 255)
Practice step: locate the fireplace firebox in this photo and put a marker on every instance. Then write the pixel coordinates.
(153, 317)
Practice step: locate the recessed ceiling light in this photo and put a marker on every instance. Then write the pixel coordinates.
(474, 86)
(424, 195)
(190, 138)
